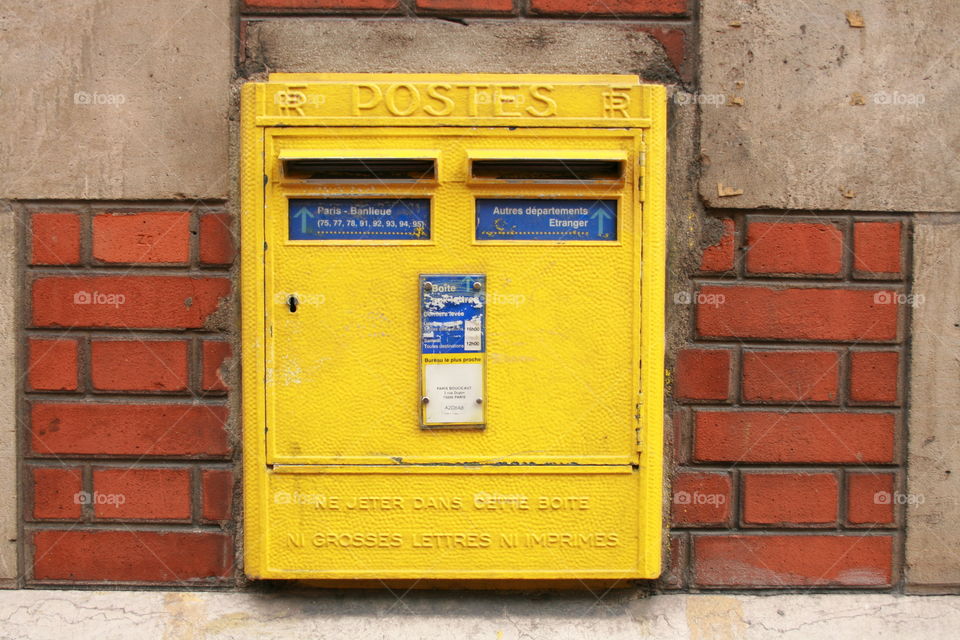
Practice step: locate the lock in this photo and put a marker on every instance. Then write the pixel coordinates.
(467, 383)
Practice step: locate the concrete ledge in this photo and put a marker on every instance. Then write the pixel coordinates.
(9, 511)
(420, 46)
(383, 614)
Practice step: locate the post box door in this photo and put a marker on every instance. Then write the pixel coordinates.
(343, 315)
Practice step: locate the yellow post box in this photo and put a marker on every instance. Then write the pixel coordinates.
(452, 291)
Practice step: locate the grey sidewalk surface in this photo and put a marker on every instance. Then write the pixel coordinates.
(78, 615)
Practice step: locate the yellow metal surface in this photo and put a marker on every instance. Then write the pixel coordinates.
(346, 365)
(564, 481)
(466, 100)
(435, 523)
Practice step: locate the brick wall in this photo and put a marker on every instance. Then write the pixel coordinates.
(786, 398)
(128, 454)
(787, 426)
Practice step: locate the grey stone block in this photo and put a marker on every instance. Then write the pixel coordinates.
(802, 110)
(114, 99)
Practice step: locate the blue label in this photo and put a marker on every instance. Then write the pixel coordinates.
(452, 313)
(542, 219)
(359, 219)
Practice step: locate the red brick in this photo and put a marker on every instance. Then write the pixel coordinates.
(793, 560)
(158, 236)
(139, 365)
(673, 575)
(129, 429)
(141, 494)
(876, 247)
(794, 247)
(216, 240)
(874, 376)
(673, 42)
(467, 6)
(781, 499)
(215, 353)
(719, 257)
(870, 498)
(767, 436)
(322, 4)
(611, 7)
(56, 493)
(702, 374)
(138, 302)
(217, 490)
(131, 556)
(701, 499)
(790, 376)
(53, 364)
(55, 238)
(796, 314)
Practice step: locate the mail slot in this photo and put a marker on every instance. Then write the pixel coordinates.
(452, 300)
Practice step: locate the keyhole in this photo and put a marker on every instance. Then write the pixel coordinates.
(292, 303)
